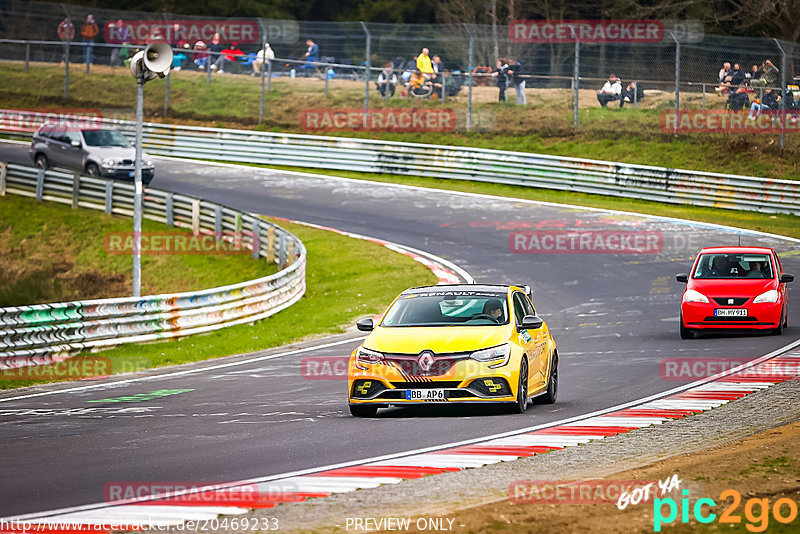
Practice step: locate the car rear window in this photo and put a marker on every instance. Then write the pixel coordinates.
(734, 266)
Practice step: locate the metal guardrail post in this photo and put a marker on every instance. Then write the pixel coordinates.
(469, 69)
(109, 196)
(195, 216)
(3, 177)
(256, 242)
(290, 253)
(271, 244)
(237, 223)
(40, 184)
(76, 189)
(282, 250)
(218, 222)
(368, 72)
(170, 216)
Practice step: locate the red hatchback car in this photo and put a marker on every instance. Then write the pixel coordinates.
(734, 288)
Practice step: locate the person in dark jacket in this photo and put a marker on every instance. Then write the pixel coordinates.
(632, 93)
(515, 70)
(502, 77)
(769, 101)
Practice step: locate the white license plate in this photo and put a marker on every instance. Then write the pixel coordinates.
(131, 174)
(739, 312)
(426, 394)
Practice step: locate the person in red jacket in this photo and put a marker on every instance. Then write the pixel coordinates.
(66, 32)
(89, 32)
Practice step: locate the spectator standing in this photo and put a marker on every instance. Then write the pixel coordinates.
(502, 77)
(515, 70)
(119, 32)
(216, 58)
(66, 32)
(611, 91)
(311, 56)
(387, 79)
(89, 32)
(771, 74)
(263, 55)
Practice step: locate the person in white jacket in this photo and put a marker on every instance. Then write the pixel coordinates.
(263, 55)
(612, 90)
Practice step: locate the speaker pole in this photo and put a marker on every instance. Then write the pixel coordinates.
(137, 185)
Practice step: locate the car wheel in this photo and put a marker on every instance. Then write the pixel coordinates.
(522, 388)
(781, 324)
(685, 332)
(41, 161)
(363, 410)
(551, 394)
(93, 170)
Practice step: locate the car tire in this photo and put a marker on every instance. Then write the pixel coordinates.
(551, 394)
(41, 161)
(781, 324)
(363, 410)
(93, 170)
(686, 333)
(522, 388)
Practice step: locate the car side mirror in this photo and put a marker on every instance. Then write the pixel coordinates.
(366, 325)
(786, 278)
(682, 278)
(75, 143)
(531, 322)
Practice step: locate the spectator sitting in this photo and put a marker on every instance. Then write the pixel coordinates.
(737, 93)
(437, 65)
(611, 90)
(724, 72)
(179, 57)
(387, 79)
(419, 85)
(755, 75)
(738, 76)
(200, 55)
(216, 58)
(232, 54)
(770, 76)
(411, 66)
(725, 75)
(770, 100)
(263, 55)
(632, 93)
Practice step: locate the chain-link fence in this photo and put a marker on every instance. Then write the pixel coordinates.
(677, 72)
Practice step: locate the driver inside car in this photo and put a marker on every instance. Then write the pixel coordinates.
(494, 308)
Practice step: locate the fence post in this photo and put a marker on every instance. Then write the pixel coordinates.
(269, 76)
(208, 69)
(195, 216)
(166, 93)
(282, 250)
(368, 71)
(271, 244)
(677, 80)
(256, 238)
(326, 80)
(109, 196)
(576, 81)
(469, 69)
(76, 189)
(704, 97)
(264, 41)
(40, 184)
(783, 93)
(170, 209)
(3, 175)
(27, 55)
(635, 94)
(444, 87)
(67, 43)
(290, 253)
(218, 222)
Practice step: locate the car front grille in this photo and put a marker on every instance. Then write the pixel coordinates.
(731, 301)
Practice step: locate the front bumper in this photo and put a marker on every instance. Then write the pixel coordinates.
(762, 316)
(126, 173)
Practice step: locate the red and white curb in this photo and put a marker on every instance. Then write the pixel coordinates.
(446, 271)
(204, 504)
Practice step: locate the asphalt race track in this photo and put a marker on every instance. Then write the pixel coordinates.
(614, 317)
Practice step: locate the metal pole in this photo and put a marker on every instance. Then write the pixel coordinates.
(576, 81)
(166, 93)
(264, 41)
(368, 72)
(208, 68)
(635, 94)
(469, 70)
(137, 193)
(677, 80)
(327, 67)
(269, 76)
(66, 51)
(783, 93)
(27, 55)
(704, 97)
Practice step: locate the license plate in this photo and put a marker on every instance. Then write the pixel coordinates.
(131, 174)
(739, 312)
(426, 394)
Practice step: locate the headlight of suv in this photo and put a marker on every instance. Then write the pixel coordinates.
(767, 296)
(498, 356)
(109, 162)
(148, 163)
(694, 296)
(367, 356)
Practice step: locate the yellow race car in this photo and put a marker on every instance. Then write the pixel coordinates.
(454, 343)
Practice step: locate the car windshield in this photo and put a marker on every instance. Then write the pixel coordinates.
(734, 266)
(448, 308)
(105, 138)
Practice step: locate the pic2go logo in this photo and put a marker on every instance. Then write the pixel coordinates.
(756, 511)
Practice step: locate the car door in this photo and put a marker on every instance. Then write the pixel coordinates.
(73, 155)
(56, 146)
(528, 339)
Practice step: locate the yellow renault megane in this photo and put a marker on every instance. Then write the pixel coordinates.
(456, 344)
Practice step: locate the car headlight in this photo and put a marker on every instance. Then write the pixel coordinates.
(148, 163)
(767, 296)
(109, 162)
(367, 356)
(694, 296)
(498, 355)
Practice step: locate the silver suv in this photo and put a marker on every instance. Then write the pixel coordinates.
(96, 151)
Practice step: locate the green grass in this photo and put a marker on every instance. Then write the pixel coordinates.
(544, 126)
(346, 279)
(52, 253)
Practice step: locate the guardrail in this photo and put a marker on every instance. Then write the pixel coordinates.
(38, 334)
(644, 182)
